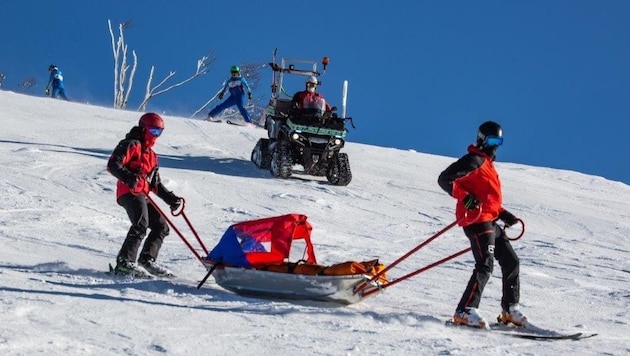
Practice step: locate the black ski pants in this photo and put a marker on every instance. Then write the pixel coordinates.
(488, 241)
(143, 216)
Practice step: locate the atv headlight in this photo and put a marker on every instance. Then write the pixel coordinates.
(295, 136)
(338, 141)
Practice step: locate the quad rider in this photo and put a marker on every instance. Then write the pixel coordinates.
(309, 98)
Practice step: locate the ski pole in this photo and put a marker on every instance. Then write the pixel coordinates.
(190, 247)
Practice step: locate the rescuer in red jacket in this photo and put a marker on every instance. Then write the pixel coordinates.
(475, 183)
(135, 165)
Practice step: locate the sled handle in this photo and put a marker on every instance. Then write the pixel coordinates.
(504, 228)
(180, 209)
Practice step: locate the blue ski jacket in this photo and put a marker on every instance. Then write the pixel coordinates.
(56, 79)
(236, 86)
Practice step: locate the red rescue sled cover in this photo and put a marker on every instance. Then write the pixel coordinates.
(257, 243)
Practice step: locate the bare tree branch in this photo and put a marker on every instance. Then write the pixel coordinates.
(121, 95)
(27, 83)
(208, 102)
(203, 65)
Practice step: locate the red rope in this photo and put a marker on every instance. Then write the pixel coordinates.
(199, 257)
(365, 284)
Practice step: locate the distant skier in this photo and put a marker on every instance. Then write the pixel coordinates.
(237, 86)
(56, 83)
(135, 165)
(309, 98)
(474, 182)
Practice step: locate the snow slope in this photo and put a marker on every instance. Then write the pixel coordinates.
(60, 227)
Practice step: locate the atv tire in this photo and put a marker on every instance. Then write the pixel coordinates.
(339, 170)
(281, 163)
(261, 156)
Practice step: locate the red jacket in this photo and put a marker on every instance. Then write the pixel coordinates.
(474, 174)
(302, 98)
(132, 162)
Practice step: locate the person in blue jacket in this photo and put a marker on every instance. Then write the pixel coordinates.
(237, 87)
(56, 83)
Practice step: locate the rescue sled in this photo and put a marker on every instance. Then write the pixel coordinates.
(252, 258)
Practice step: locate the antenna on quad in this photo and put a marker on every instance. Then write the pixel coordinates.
(344, 96)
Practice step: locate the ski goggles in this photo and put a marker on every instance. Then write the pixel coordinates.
(492, 141)
(235, 73)
(155, 131)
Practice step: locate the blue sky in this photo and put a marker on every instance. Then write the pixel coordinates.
(422, 74)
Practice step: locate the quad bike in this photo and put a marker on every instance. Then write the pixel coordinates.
(311, 137)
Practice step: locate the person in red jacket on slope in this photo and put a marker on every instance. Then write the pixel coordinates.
(135, 165)
(475, 183)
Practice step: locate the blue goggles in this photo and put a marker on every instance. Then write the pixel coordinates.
(492, 141)
(155, 131)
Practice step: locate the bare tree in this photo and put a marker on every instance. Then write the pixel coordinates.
(203, 65)
(27, 84)
(121, 94)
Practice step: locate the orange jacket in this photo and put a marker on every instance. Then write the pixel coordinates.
(474, 174)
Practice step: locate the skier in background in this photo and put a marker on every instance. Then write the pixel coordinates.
(135, 165)
(56, 83)
(237, 86)
(474, 182)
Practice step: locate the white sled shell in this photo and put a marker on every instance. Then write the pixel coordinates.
(255, 282)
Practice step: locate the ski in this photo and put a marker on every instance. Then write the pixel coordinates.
(529, 332)
(236, 123)
(533, 336)
(532, 332)
(215, 121)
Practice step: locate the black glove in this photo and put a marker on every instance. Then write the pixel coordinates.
(249, 96)
(154, 177)
(176, 204)
(131, 181)
(47, 91)
(508, 218)
(220, 96)
(173, 201)
(470, 202)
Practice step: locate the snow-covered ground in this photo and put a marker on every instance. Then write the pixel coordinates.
(60, 227)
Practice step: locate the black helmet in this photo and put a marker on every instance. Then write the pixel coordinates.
(51, 67)
(489, 135)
